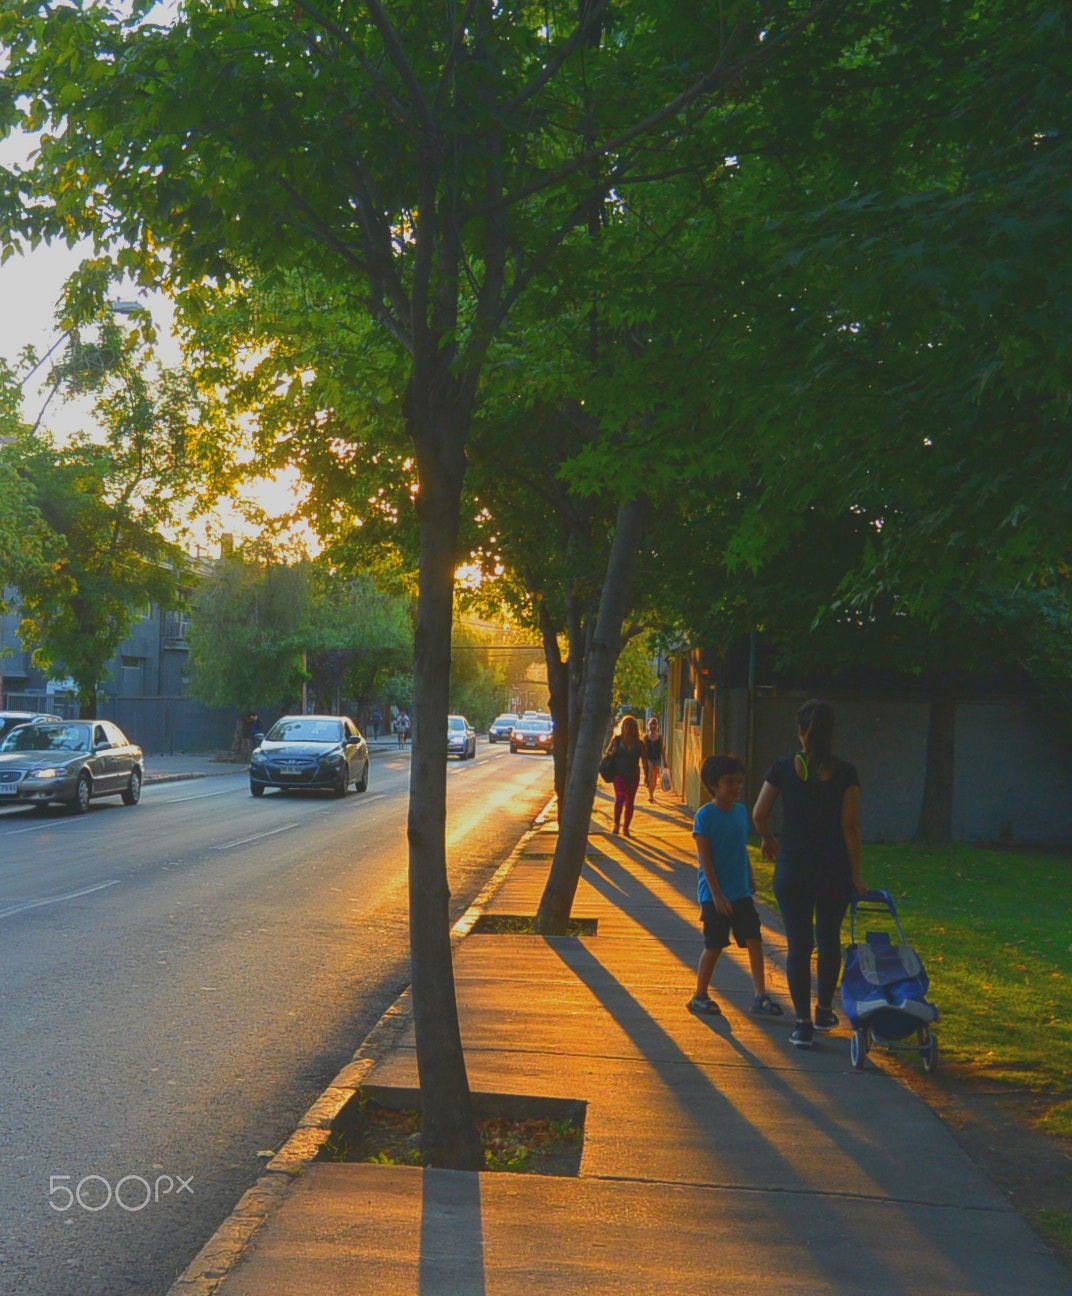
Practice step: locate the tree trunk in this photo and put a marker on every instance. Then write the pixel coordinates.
(87, 702)
(558, 687)
(936, 812)
(602, 657)
(449, 1135)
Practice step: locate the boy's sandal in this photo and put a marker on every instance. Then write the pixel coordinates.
(705, 1007)
(764, 1006)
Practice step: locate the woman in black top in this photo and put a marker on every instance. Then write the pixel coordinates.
(653, 746)
(817, 860)
(629, 754)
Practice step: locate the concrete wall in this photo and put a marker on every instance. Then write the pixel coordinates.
(1013, 760)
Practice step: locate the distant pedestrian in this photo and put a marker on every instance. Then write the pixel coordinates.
(725, 886)
(376, 719)
(629, 753)
(399, 728)
(817, 862)
(656, 752)
(407, 726)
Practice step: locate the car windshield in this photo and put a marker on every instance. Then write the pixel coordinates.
(533, 726)
(506, 719)
(49, 737)
(455, 722)
(306, 729)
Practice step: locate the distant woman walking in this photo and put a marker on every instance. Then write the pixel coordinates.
(629, 753)
(656, 753)
(817, 861)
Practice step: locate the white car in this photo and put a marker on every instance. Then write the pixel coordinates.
(12, 719)
(461, 738)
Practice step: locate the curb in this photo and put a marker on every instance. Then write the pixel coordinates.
(225, 1248)
(185, 777)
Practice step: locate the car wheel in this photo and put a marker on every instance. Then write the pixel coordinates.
(82, 794)
(362, 785)
(256, 789)
(132, 793)
(342, 784)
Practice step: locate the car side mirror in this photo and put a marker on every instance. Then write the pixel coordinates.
(258, 738)
(102, 746)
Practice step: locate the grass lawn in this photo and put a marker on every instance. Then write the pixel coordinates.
(994, 929)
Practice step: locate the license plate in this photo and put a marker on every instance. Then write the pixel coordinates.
(9, 789)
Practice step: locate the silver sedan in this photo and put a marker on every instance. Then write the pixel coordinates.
(71, 762)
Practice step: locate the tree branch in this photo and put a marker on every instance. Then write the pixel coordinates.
(704, 85)
(452, 55)
(397, 54)
(383, 90)
(591, 16)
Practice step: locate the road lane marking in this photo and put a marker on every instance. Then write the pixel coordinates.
(51, 900)
(54, 823)
(364, 800)
(200, 796)
(244, 841)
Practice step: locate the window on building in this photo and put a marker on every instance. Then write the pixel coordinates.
(133, 677)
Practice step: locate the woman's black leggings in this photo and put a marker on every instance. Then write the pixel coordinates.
(812, 916)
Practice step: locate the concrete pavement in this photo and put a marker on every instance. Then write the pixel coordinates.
(715, 1155)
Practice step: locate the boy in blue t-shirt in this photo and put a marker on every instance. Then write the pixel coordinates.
(726, 885)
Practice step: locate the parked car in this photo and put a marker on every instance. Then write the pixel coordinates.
(12, 719)
(461, 737)
(533, 734)
(320, 752)
(71, 761)
(502, 726)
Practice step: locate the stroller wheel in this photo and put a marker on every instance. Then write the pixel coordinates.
(930, 1056)
(858, 1049)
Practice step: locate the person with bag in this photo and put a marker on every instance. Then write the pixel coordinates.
(817, 861)
(624, 758)
(656, 752)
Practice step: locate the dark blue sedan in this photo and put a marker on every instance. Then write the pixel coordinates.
(311, 752)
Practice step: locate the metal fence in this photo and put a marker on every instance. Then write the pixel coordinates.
(157, 724)
(65, 705)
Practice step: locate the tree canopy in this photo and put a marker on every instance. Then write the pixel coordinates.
(812, 259)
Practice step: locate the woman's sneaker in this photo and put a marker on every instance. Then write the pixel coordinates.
(826, 1020)
(803, 1035)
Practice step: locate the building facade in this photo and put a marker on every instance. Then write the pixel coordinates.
(145, 691)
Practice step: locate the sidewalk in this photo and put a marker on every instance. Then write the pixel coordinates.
(715, 1155)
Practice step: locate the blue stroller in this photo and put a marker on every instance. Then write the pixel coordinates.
(884, 988)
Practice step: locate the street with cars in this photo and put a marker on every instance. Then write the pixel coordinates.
(180, 979)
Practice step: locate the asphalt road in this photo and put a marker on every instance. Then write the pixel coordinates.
(178, 982)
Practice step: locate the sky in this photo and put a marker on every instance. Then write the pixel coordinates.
(30, 290)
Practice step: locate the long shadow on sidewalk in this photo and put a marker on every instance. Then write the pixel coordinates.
(452, 1235)
(722, 1126)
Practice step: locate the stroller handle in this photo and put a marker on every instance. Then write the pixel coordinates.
(876, 901)
(878, 898)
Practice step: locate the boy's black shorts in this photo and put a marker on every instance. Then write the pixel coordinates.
(744, 923)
